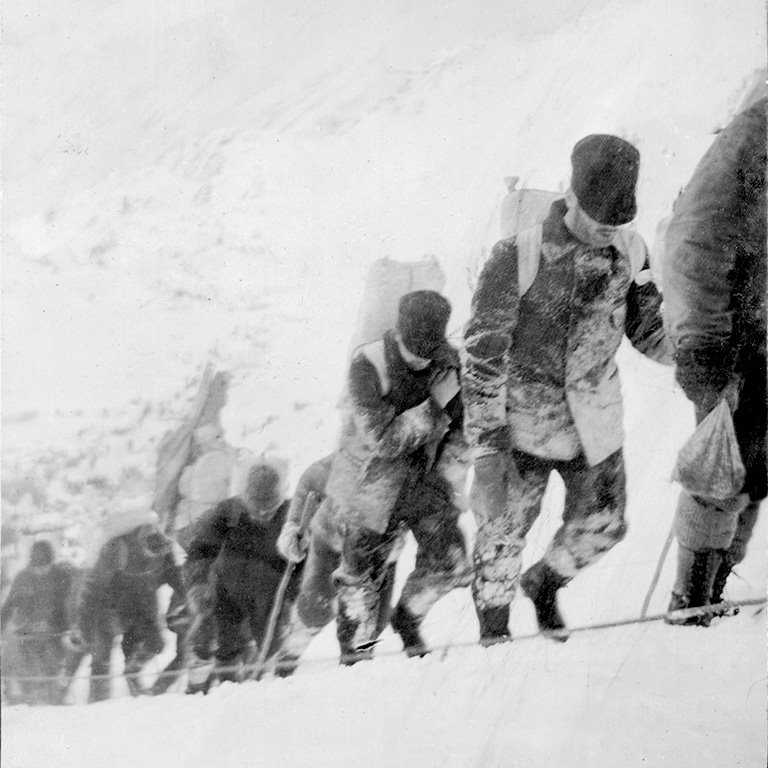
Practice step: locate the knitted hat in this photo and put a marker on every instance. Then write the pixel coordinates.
(41, 554)
(265, 486)
(604, 178)
(421, 320)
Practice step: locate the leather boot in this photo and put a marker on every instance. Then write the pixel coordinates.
(407, 626)
(693, 588)
(721, 577)
(494, 625)
(540, 583)
(356, 621)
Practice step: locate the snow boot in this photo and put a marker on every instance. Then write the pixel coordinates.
(132, 670)
(696, 573)
(407, 626)
(494, 625)
(358, 611)
(721, 577)
(540, 583)
(199, 674)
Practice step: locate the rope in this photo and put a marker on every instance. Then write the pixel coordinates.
(720, 609)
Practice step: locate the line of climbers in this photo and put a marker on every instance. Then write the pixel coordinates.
(533, 389)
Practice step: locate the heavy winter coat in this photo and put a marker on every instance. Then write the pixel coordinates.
(239, 552)
(715, 266)
(39, 603)
(126, 577)
(540, 374)
(392, 427)
(715, 282)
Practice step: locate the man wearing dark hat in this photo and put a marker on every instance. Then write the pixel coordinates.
(38, 608)
(401, 461)
(541, 387)
(233, 571)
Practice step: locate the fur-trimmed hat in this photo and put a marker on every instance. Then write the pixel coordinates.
(422, 320)
(605, 170)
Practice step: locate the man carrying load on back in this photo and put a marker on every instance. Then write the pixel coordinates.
(541, 387)
(402, 461)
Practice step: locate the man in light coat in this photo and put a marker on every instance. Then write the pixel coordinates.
(715, 291)
(541, 387)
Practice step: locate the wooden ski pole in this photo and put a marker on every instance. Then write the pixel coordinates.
(310, 504)
(657, 572)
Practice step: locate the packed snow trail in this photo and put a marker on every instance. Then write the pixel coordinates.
(221, 198)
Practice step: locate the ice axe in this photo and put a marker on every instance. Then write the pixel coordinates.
(311, 502)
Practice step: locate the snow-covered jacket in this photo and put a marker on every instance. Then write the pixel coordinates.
(715, 266)
(539, 369)
(392, 429)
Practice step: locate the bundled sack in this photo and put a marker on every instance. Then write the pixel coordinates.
(387, 281)
(709, 464)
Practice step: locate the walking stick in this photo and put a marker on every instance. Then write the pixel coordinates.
(310, 504)
(657, 572)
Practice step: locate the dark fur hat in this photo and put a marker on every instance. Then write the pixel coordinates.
(422, 321)
(605, 170)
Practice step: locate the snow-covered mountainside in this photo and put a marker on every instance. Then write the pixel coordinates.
(196, 181)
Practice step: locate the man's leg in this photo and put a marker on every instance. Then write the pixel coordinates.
(749, 422)
(101, 652)
(315, 606)
(593, 523)
(229, 617)
(358, 581)
(142, 641)
(442, 563)
(499, 544)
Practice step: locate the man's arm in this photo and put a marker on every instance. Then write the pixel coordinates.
(11, 603)
(703, 240)
(388, 433)
(487, 340)
(644, 322)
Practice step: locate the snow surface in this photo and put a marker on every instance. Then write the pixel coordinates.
(207, 181)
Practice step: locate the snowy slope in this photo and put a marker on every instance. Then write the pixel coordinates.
(207, 181)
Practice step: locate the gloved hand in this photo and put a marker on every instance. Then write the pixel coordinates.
(73, 640)
(707, 400)
(494, 472)
(201, 598)
(291, 544)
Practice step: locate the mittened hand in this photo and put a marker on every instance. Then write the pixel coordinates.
(708, 400)
(74, 640)
(200, 598)
(290, 543)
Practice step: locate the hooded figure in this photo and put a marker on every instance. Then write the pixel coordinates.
(234, 570)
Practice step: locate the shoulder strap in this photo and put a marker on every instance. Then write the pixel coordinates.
(528, 257)
(631, 246)
(375, 354)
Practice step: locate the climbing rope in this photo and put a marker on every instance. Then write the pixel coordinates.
(727, 608)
